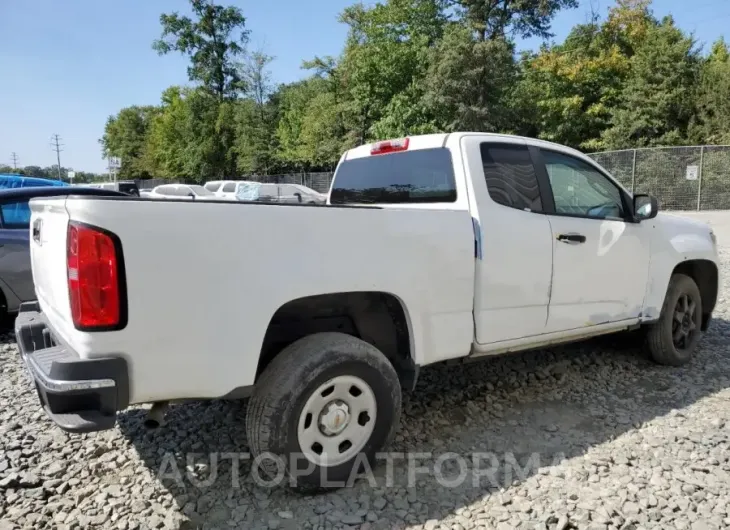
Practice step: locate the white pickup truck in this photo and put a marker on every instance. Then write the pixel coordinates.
(430, 248)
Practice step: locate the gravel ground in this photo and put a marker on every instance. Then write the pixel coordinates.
(586, 436)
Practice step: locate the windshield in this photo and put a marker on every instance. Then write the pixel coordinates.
(423, 175)
(305, 190)
(200, 190)
(248, 191)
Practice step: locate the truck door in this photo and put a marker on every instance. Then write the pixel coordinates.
(600, 257)
(514, 243)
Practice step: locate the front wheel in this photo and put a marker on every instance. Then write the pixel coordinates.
(322, 410)
(673, 339)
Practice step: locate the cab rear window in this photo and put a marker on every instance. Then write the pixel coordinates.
(422, 175)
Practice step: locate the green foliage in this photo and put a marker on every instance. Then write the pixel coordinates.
(657, 101)
(497, 19)
(125, 136)
(422, 66)
(712, 120)
(212, 40)
(468, 82)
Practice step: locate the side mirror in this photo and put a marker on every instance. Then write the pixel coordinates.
(645, 207)
(298, 196)
(191, 195)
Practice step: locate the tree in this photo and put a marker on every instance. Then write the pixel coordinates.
(256, 117)
(212, 42)
(125, 136)
(168, 136)
(657, 102)
(502, 19)
(294, 102)
(36, 171)
(711, 123)
(468, 82)
(386, 52)
(568, 93)
(257, 77)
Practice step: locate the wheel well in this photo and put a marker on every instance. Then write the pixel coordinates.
(704, 273)
(375, 317)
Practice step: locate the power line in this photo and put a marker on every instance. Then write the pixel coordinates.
(56, 145)
(14, 156)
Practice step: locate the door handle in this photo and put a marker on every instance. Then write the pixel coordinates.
(572, 239)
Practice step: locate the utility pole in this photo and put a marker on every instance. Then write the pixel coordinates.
(14, 156)
(56, 145)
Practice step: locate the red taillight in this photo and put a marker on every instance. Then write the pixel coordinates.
(389, 146)
(93, 278)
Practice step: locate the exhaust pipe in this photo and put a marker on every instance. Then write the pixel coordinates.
(156, 415)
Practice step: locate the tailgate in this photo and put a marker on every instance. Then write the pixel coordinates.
(49, 223)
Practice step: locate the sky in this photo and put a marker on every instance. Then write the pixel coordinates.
(68, 65)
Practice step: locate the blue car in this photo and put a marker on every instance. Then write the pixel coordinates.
(20, 181)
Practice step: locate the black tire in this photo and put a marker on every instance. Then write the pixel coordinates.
(660, 336)
(275, 408)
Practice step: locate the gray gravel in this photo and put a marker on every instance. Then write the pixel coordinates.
(589, 436)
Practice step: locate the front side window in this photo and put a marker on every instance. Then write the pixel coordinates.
(212, 186)
(15, 215)
(268, 192)
(130, 188)
(511, 177)
(418, 176)
(580, 189)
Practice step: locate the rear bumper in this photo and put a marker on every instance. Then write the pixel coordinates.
(79, 395)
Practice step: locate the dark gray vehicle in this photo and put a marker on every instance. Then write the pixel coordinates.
(16, 277)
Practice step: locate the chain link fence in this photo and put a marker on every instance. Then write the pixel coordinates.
(317, 181)
(681, 178)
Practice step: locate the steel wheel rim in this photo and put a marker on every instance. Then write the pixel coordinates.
(337, 421)
(684, 322)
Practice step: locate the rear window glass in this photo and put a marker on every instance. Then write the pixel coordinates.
(510, 176)
(424, 175)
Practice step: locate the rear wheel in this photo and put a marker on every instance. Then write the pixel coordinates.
(674, 338)
(322, 410)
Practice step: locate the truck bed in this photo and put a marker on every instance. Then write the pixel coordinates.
(207, 276)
